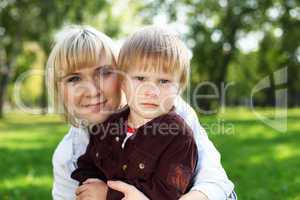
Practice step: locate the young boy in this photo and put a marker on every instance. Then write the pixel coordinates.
(146, 144)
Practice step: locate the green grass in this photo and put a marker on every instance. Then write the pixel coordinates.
(262, 162)
(26, 145)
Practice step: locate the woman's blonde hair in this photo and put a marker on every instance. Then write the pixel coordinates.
(156, 48)
(75, 47)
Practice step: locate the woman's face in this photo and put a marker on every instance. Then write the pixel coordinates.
(92, 93)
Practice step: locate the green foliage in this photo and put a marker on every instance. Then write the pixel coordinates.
(216, 26)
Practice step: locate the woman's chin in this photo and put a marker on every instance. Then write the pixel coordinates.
(96, 117)
(95, 114)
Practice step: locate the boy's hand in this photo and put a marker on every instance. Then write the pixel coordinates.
(129, 191)
(92, 189)
(194, 195)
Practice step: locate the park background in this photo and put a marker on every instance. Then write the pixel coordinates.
(245, 75)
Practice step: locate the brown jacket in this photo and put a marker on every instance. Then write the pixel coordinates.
(159, 159)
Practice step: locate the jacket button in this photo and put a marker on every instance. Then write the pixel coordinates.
(142, 166)
(117, 139)
(124, 167)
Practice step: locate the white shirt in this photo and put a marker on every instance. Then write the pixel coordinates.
(211, 179)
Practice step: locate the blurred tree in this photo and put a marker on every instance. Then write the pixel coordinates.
(289, 23)
(215, 28)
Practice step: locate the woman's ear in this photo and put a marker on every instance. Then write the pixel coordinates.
(122, 83)
(123, 99)
(179, 89)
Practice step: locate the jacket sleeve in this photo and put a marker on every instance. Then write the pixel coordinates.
(173, 175)
(63, 186)
(210, 178)
(86, 167)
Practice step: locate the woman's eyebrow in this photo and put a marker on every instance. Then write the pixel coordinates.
(67, 75)
(107, 66)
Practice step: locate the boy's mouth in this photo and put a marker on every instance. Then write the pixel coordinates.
(149, 105)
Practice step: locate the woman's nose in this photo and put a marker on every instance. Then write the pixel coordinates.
(93, 88)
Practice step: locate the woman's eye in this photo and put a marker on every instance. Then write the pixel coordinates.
(73, 79)
(139, 78)
(163, 81)
(105, 71)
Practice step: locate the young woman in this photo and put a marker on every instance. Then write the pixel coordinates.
(86, 89)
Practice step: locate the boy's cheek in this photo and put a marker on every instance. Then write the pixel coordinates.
(167, 102)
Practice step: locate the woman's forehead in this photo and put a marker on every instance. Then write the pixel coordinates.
(86, 66)
(82, 58)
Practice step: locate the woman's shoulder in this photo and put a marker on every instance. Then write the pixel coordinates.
(184, 109)
(64, 150)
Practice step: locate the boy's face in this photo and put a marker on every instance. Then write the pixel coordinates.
(150, 93)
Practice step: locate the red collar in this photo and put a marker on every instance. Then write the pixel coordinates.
(131, 130)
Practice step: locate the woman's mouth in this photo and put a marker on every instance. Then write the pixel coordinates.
(95, 107)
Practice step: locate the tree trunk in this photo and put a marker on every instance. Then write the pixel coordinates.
(44, 96)
(4, 79)
(43, 101)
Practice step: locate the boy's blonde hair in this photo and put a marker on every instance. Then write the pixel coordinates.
(75, 47)
(156, 48)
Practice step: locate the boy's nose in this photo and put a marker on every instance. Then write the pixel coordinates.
(151, 90)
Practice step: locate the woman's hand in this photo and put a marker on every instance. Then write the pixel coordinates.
(194, 195)
(129, 191)
(92, 189)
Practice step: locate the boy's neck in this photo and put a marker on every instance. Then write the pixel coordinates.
(135, 120)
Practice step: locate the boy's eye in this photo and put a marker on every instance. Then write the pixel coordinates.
(73, 79)
(163, 81)
(139, 78)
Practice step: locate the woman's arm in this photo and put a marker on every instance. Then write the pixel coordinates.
(64, 162)
(63, 186)
(194, 195)
(210, 179)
